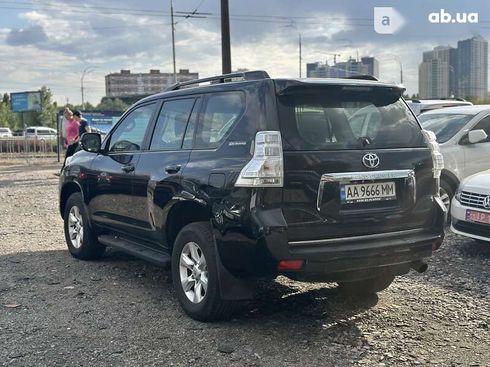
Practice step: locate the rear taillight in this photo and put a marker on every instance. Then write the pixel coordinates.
(286, 265)
(265, 169)
(437, 158)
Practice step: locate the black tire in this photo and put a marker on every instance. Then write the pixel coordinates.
(211, 307)
(89, 247)
(366, 286)
(447, 189)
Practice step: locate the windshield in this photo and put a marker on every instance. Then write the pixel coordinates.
(347, 118)
(444, 125)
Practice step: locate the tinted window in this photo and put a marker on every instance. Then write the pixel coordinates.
(191, 126)
(30, 131)
(347, 118)
(221, 113)
(171, 124)
(444, 125)
(130, 133)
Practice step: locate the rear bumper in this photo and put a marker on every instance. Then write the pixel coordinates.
(328, 259)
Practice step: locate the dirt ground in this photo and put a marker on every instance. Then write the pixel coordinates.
(120, 311)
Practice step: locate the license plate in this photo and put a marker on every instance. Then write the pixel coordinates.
(363, 193)
(476, 216)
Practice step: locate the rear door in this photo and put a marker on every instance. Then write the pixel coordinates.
(159, 169)
(347, 174)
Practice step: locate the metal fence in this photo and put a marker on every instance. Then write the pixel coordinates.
(25, 147)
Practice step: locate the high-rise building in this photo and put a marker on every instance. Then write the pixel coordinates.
(125, 84)
(367, 65)
(372, 65)
(455, 72)
(437, 73)
(472, 67)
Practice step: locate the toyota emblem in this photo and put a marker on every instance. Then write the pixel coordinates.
(486, 202)
(370, 160)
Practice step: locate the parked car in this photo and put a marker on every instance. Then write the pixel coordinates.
(420, 106)
(463, 134)
(251, 177)
(41, 133)
(5, 132)
(470, 208)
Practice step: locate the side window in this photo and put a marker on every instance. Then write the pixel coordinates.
(129, 134)
(191, 126)
(171, 124)
(219, 116)
(484, 124)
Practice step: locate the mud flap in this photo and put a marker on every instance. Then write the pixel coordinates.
(232, 288)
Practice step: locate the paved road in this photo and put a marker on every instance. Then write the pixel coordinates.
(120, 311)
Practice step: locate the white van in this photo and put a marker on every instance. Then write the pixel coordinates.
(5, 132)
(41, 133)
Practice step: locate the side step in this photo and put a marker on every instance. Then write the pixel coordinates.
(149, 254)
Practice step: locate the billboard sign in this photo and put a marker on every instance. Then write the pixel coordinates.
(25, 101)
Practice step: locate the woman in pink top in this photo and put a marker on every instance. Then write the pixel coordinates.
(71, 127)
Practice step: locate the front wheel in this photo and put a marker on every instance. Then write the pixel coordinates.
(80, 237)
(195, 274)
(367, 286)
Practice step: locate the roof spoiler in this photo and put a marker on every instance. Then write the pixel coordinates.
(362, 77)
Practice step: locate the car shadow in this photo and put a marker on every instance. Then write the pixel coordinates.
(294, 313)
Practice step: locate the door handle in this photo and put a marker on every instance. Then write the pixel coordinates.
(128, 168)
(173, 168)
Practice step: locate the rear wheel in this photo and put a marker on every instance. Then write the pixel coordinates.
(195, 274)
(367, 286)
(80, 237)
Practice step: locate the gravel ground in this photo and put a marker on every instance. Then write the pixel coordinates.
(120, 311)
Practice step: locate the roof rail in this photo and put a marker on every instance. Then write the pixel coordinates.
(362, 77)
(225, 78)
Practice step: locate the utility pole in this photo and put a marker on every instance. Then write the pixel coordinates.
(225, 37)
(173, 37)
(300, 61)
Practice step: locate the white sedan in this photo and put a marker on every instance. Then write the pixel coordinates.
(470, 208)
(463, 134)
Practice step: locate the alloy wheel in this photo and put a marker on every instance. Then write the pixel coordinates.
(445, 198)
(75, 227)
(193, 271)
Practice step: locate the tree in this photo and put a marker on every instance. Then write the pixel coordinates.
(47, 116)
(7, 117)
(112, 104)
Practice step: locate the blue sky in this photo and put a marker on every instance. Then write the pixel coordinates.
(51, 41)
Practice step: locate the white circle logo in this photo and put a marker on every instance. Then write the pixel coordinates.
(486, 202)
(370, 160)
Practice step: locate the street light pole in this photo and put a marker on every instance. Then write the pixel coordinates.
(85, 71)
(300, 58)
(173, 38)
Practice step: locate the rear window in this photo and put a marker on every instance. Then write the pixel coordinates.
(339, 118)
(444, 125)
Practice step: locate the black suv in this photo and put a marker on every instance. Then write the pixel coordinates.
(242, 177)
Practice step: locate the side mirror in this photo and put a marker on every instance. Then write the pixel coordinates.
(477, 136)
(91, 142)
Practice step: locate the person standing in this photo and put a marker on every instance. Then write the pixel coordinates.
(83, 126)
(72, 134)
